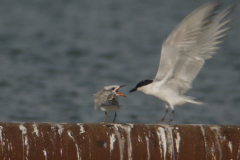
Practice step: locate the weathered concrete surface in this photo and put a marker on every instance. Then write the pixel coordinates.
(63, 141)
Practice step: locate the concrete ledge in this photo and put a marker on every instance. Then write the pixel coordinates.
(82, 141)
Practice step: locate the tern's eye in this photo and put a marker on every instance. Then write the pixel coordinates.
(113, 88)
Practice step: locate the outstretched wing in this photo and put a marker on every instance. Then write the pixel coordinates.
(190, 44)
(182, 37)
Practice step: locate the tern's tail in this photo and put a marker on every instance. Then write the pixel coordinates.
(189, 99)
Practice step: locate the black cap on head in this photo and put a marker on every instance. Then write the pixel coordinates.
(144, 83)
(140, 84)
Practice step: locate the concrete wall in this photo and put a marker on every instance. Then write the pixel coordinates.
(82, 141)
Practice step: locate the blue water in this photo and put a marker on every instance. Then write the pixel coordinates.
(54, 55)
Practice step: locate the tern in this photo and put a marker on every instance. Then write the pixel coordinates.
(183, 54)
(107, 100)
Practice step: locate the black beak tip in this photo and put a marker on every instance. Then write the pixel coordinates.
(133, 90)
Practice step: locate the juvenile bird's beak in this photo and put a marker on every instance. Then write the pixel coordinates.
(133, 90)
(122, 86)
(120, 94)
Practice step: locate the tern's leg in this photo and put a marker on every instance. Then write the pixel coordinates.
(114, 117)
(105, 117)
(171, 117)
(161, 120)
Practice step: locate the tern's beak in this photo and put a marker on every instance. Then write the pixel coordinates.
(133, 90)
(120, 94)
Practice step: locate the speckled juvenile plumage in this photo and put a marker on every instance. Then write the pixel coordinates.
(107, 100)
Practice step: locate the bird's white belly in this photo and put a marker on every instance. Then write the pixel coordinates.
(109, 108)
(162, 94)
(168, 95)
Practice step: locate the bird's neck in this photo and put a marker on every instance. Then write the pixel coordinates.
(147, 89)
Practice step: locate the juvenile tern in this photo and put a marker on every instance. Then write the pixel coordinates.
(183, 54)
(107, 100)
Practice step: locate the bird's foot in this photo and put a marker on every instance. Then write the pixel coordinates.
(169, 122)
(104, 122)
(160, 120)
